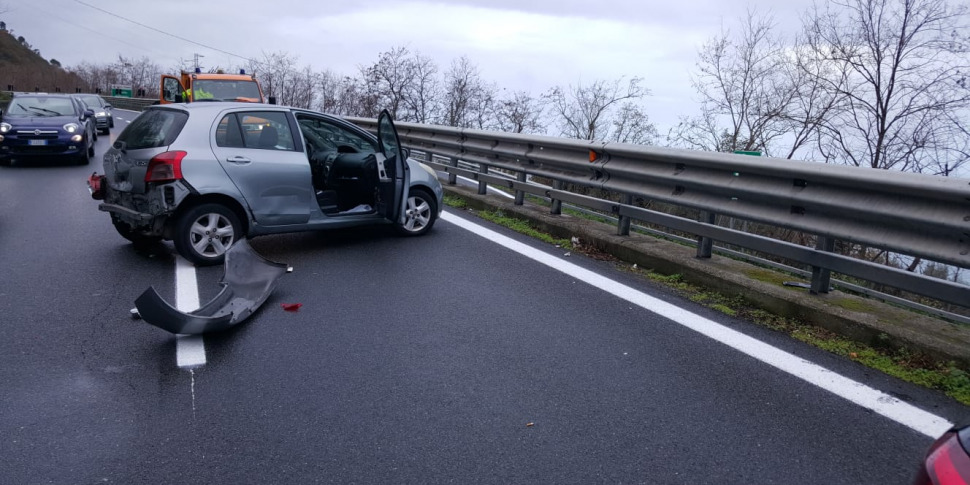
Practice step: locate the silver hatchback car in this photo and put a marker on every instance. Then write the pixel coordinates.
(205, 174)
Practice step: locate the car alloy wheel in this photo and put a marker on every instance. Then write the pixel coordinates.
(419, 214)
(205, 233)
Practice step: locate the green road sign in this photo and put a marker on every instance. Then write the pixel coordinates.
(121, 91)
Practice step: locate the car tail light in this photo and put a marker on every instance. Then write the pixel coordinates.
(947, 463)
(95, 186)
(165, 167)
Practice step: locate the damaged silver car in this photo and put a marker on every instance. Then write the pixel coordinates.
(204, 175)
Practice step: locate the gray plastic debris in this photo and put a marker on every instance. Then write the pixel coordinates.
(247, 282)
(796, 284)
(134, 314)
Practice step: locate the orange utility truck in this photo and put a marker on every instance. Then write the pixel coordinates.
(198, 86)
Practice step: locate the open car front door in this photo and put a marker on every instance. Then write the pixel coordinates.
(392, 170)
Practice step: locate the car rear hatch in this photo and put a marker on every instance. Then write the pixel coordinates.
(148, 136)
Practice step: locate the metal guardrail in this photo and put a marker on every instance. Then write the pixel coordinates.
(133, 104)
(909, 214)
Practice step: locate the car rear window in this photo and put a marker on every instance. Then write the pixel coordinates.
(154, 128)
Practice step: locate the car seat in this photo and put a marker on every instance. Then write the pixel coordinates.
(269, 137)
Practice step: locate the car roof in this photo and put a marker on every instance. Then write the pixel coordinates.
(43, 95)
(216, 106)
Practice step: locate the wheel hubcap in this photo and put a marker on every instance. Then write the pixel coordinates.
(417, 214)
(211, 235)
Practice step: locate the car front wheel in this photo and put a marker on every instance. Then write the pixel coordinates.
(85, 157)
(205, 232)
(420, 213)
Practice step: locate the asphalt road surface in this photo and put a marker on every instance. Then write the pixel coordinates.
(442, 359)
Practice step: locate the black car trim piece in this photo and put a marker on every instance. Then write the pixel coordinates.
(119, 209)
(247, 282)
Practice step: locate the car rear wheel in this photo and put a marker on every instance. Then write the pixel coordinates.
(205, 232)
(420, 213)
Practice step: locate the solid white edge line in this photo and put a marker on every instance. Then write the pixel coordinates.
(189, 349)
(877, 401)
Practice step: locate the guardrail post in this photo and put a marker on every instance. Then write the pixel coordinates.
(520, 195)
(482, 186)
(452, 177)
(821, 277)
(623, 226)
(556, 207)
(705, 245)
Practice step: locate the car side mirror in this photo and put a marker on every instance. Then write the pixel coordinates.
(407, 152)
(107, 106)
(88, 114)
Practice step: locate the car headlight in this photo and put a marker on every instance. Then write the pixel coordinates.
(100, 113)
(5, 127)
(71, 127)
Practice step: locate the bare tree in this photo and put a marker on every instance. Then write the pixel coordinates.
(140, 73)
(632, 125)
(302, 88)
(344, 95)
(519, 113)
(328, 92)
(467, 99)
(585, 112)
(421, 97)
(390, 79)
(274, 71)
(745, 93)
(900, 83)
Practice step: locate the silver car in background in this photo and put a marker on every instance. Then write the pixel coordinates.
(103, 118)
(205, 174)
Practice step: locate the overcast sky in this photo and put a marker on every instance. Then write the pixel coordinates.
(527, 45)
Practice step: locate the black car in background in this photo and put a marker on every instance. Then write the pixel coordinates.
(37, 126)
(104, 121)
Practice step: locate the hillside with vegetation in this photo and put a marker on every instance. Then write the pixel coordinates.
(23, 68)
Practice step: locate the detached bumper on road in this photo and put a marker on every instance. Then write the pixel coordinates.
(247, 283)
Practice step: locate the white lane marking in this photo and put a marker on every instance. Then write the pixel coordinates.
(906, 414)
(189, 349)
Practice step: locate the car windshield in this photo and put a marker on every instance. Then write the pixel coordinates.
(40, 106)
(225, 90)
(92, 101)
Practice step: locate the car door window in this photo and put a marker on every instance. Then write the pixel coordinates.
(229, 133)
(323, 135)
(266, 130)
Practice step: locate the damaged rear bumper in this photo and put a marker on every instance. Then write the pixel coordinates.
(247, 282)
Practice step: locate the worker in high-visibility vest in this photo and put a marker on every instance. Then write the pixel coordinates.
(199, 94)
